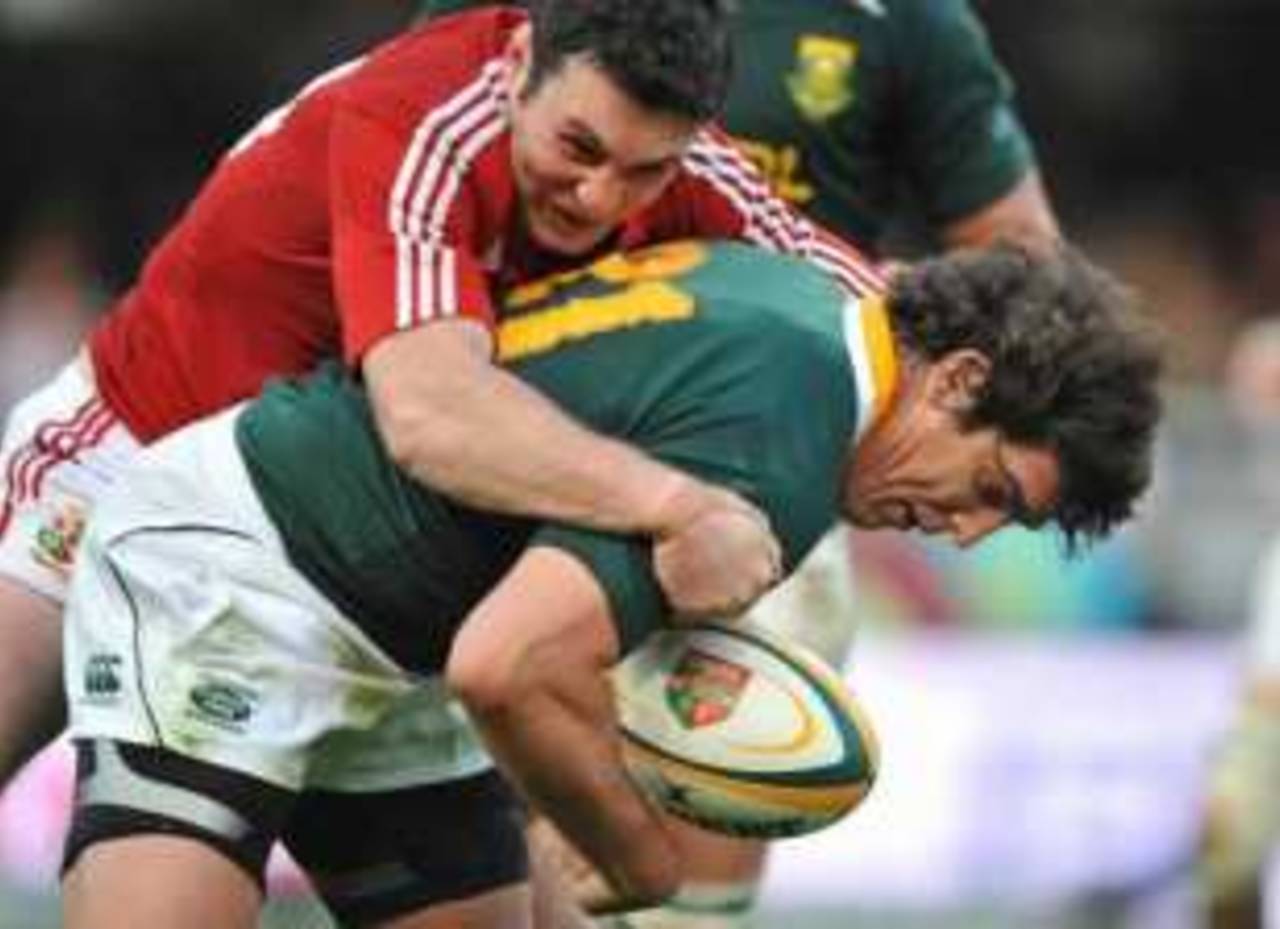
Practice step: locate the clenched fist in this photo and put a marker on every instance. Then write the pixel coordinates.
(718, 556)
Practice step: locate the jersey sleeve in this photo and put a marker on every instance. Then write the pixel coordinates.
(964, 144)
(623, 567)
(774, 428)
(401, 228)
(723, 195)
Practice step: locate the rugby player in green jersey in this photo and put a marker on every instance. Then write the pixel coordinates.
(273, 632)
(865, 114)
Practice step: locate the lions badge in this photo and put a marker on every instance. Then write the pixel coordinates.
(821, 83)
(58, 535)
(704, 689)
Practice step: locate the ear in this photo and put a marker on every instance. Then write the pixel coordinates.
(520, 53)
(957, 378)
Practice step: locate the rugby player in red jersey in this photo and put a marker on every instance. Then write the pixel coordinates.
(370, 217)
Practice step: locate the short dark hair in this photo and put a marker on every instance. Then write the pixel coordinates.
(1075, 366)
(672, 56)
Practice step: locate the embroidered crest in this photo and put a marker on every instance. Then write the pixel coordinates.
(703, 689)
(821, 83)
(58, 536)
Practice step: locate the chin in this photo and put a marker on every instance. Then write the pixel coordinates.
(570, 245)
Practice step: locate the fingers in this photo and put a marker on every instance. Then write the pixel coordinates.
(720, 563)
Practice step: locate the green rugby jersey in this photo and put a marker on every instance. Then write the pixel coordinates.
(859, 111)
(742, 367)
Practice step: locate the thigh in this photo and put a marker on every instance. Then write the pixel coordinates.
(157, 882)
(125, 793)
(61, 448)
(32, 707)
(381, 857)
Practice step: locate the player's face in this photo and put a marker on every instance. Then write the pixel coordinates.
(926, 472)
(961, 485)
(586, 156)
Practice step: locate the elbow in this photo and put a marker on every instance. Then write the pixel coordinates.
(418, 385)
(415, 430)
(486, 687)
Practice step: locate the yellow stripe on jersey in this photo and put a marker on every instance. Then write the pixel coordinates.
(643, 303)
(874, 357)
(655, 262)
(884, 357)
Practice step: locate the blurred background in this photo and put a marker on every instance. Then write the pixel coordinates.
(1046, 725)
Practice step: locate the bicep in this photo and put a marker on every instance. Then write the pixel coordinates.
(548, 615)
(964, 146)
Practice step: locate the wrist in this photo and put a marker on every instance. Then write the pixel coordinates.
(674, 504)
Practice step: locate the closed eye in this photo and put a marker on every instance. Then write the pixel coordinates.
(581, 150)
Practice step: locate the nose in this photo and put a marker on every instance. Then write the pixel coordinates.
(602, 194)
(971, 528)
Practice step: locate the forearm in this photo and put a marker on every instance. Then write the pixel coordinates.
(561, 751)
(530, 663)
(1023, 215)
(477, 433)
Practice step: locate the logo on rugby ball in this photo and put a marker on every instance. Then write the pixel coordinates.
(703, 690)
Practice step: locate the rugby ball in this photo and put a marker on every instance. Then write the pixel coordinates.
(742, 732)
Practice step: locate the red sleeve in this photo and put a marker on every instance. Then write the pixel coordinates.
(727, 198)
(403, 218)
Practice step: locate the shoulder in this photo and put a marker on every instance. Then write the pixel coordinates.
(932, 16)
(922, 29)
(738, 272)
(784, 318)
(439, 67)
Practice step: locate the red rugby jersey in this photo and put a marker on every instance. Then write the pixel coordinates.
(378, 199)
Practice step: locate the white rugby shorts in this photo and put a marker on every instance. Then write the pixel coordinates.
(188, 628)
(62, 447)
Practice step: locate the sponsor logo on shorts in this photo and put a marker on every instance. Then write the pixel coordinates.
(703, 689)
(223, 704)
(102, 677)
(59, 534)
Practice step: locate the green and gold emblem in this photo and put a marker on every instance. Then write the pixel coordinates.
(821, 83)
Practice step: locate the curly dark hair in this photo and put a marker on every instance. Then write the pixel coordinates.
(673, 56)
(1075, 366)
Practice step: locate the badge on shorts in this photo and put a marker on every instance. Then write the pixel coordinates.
(704, 689)
(102, 677)
(59, 533)
(821, 83)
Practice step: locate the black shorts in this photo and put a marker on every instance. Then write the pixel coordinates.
(370, 856)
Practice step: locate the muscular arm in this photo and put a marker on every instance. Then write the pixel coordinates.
(461, 425)
(464, 426)
(530, 663)
(1022, 215)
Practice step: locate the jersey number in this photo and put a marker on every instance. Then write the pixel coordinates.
(617, 292)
